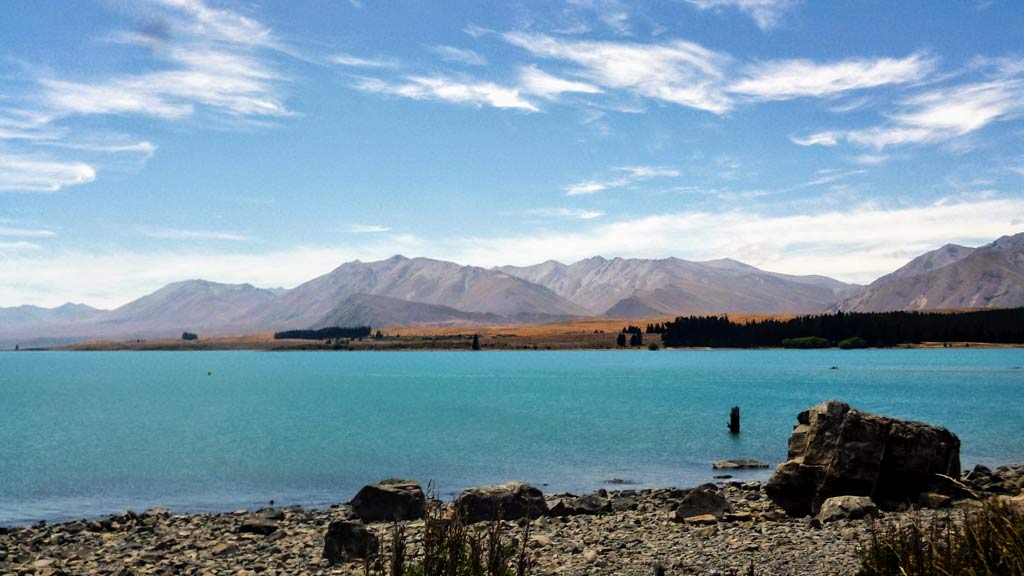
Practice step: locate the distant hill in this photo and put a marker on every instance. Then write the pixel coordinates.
(380, 311)
(421, 291)
(20, 316)
(952, 277)
(626, 287)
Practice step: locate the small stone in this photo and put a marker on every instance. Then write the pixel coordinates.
(701, 520)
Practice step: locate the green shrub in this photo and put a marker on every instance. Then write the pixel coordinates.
(853, 343)
(653, 346)
(988, 541)
(806, 342)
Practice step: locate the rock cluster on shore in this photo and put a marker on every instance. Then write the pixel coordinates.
(839, 471)
(630, 533)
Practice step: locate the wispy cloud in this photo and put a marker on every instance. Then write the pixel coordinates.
(343, 59)
(368, 229)
(632, 175)
(38, 174)
(440, 88)
(199, 59)
(679, 72)
(185, 234)
(766, 13)
(535, 81)
(573, 213)
(830, 175)
(18, 246)
(26, 232)
(937, 114)
(459, 55)
(876, 240)
(787, 79)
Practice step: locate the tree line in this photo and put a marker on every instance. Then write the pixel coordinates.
(876, 329)
(324, 333)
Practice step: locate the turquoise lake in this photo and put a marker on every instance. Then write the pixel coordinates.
(84, 434)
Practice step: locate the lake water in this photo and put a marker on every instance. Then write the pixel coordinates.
(85, 434)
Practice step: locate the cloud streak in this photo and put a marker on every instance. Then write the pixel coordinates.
(34, 174)
(632, 175)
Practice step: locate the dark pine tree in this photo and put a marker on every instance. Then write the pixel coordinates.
(621, 340)
(476, 342)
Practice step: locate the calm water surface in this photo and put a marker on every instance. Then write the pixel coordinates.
(85, 434)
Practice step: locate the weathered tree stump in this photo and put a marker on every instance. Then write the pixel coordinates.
(734, 420)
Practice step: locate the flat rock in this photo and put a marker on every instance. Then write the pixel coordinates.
(738, 464)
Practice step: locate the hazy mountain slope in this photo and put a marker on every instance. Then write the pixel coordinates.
(991, 276)
(671, 286)
(380, 311)
(192, 304)
(464, 288)
(21, 316)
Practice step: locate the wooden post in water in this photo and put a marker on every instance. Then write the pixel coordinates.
(734, 420)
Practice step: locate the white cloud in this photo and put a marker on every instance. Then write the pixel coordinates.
(870, 159)
(459, 55)
(633, 174)
(342, 59)
(937, 115)
(828, 138)
(829, 176)
(228, 82)
(183, 234)
(787, 79)
(34, 174)
(766, 13)
(577, 214)
(679, 72)
(534, 81)
(856, 244)
(6, 247)
(26, 232)
(450, 90)
(368, 229)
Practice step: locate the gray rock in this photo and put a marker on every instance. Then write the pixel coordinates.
(847, 508)
(390, 500)
(700, 502)
(569, 505)
(509, 501)
(262, 527)
(836, 450)
(346, 540)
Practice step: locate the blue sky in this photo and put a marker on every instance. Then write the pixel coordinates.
(148, 141)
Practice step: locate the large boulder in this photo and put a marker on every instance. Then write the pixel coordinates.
(509, 501)
(348, 539)
(390, 500)
(836, 450)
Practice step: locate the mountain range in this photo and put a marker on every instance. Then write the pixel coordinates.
(404, 291)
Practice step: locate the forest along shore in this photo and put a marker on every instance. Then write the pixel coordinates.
(620, 532)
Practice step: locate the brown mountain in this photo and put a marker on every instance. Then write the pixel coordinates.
(952, 277)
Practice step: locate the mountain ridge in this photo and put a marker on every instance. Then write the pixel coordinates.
(409, 291)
